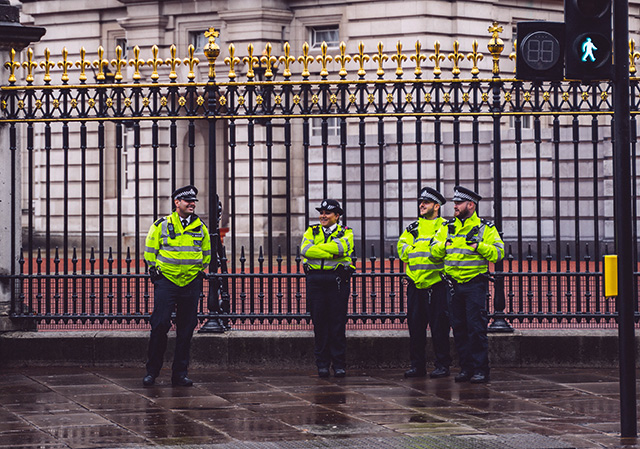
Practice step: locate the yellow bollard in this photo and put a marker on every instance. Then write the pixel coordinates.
(610, 276)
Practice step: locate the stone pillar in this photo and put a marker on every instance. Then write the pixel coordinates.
(16, 36)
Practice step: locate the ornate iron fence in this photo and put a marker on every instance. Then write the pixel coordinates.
(99, 158)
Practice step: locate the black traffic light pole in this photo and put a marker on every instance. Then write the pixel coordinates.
(623, 220)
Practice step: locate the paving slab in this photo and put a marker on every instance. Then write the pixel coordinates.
(107, 407)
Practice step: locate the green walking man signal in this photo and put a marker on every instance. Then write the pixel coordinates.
(587, 50)
(588, 32)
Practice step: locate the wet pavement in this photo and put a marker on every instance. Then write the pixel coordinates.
(62, 407)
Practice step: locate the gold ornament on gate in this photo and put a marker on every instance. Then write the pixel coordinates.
(212, 50)
(495, 46)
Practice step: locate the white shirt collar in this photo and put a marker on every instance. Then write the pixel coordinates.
(330, 229)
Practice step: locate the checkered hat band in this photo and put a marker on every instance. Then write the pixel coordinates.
(460, 196)
(186, 193)
(426, 196)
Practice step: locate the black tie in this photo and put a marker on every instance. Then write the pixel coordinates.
(184, 223)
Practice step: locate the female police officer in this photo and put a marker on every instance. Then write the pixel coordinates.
(327, 248)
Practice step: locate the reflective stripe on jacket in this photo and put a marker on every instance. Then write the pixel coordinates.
(322, 252)
(422, 268)
(178, 253)
(461, 261)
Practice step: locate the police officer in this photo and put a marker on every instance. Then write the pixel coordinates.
(467, 244)
(426, 291)
(178, 250)
(327, 248)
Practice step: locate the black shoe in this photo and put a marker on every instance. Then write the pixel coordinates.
(464, 376)
(479, 378)
(339, 372)
(148, 380)
(439, 372)
(415, 372)
(183, 381)
(323, 372)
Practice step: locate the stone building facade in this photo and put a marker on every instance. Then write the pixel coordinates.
(76, 24)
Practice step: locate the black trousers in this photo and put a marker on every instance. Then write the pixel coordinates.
(327, 298)
(184, 300)
(468, 312)
(428, 307)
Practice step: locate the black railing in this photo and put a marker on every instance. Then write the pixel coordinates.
(99, 161)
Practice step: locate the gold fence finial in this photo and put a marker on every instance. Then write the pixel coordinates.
(361, 58)
(513, 54)
(212, 50)
(380, 58)
(287, 60)
(65, 65)
(268, 60)
(173, 62)
(456, 57)
(118, 63)
(418, 58)
(83, 64)
(155, 62)
(342, 58)
(399, 58)
(136, 63)
(305, 59)
(100, 64)
(495, 46)
(250, 61)
(29, 65)
(47, 65)
(475, 57)
(324, 59)
(436, 58)
(633, 55)
(12, 66)
(231, 61)
(191, 61)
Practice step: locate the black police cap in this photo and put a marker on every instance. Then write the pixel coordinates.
(187, 193)
(330, 206)
(464, 194)
(429, 194)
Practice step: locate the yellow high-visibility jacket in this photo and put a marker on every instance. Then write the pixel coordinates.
(179, 254)
(461, 261)
(322, 252)
(414, 248)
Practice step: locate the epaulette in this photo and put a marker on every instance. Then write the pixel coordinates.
(159, 220)
(316, 229)
(449, 221)
(491, 224)
(412, 226)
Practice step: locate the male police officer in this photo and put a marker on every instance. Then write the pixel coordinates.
(426, 291)
(178, 250)
(467, 244)
(327, 249)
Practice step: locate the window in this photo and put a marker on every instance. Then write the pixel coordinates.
(333, 126)
(328, 34)
(198, 40)
(122, 42)
(525, 120)
(128, 155)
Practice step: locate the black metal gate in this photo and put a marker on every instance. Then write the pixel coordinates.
(98, 159)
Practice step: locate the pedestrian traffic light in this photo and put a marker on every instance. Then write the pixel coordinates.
(540, 51)
(588, 37)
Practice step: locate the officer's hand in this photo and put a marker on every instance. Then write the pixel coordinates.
(472, 241)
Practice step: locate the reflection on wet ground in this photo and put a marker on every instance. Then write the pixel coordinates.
(80, 408)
